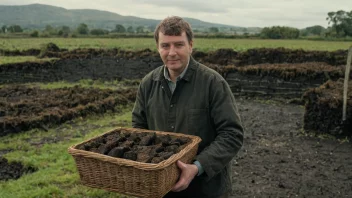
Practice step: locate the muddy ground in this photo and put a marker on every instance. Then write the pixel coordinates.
(13, 170)
(23, 108)
(119, 64)
(278, 160)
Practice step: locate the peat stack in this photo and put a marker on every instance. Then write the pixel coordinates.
(323, 109)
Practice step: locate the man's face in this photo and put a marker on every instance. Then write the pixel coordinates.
(175, 51)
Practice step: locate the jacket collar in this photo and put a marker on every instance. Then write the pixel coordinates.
(159, 74)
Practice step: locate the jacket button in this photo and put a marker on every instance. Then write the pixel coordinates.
(172, 127)
(171, 105)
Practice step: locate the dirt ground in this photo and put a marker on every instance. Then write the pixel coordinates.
(278, 160)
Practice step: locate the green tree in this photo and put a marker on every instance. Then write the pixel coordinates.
(313, 30)
(130, 29)
(4, 28)
(341, 23)
(50, 30)
(82, 29)
(35, 33)
(119, 29)
(140, 29)
(64, 31)
(233, 30)
(214, 30)
(15, 28)
(97, 32)
(316, 30)
(278, 32)
(244, 30)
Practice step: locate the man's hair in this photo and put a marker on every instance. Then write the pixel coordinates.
(173, 26)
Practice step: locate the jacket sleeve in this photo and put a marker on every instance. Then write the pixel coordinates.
(229, 131)
(139, 117)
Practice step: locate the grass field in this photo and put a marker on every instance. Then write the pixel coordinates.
(143, 43)
(47, 150)
(19, 59)
(57, 175)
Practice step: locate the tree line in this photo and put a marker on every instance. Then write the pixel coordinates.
(340, 26)
(66, 31)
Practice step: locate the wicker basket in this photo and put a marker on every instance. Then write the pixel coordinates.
(132, 177)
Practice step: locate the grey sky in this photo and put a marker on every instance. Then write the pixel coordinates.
(249, 13)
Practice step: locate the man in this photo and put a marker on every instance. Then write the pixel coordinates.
(187, 97)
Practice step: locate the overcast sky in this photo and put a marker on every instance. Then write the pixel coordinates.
(248, 13)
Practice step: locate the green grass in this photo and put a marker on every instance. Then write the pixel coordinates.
(143, 43)
(57, 175)
(87, 83)
(20, 59)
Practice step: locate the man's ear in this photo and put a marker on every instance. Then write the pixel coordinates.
(191, 46)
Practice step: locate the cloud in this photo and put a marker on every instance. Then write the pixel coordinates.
(253, 13)
(186, 5)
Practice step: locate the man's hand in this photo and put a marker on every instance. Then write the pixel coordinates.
(188, 172)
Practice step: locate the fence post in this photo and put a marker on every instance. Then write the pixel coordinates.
(345, 87)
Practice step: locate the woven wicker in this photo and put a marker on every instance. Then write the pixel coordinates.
(132, 177)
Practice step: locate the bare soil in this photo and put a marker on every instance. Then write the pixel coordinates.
(23, 108)
(118, 64)
(324, 109)
(279, 160)
(13, 170)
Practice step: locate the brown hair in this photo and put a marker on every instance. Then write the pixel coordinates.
(173, 26)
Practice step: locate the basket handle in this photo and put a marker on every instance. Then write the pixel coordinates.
(345, 87)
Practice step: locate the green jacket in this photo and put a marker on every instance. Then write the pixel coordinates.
(203, 105)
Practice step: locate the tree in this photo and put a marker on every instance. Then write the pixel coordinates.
(50, 30)
(130, 29)
(244, 30)
(97, 32)
(233, 30)
(148, 29)
(313, 30)
(341, 23)
(214, 30)
(15, 28)
(64, 31)
(35, 33)
(140, 29)
(82, 29)
(278, 32)
(119, 29)
(4, 28)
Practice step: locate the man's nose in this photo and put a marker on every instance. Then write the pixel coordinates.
(172, 51)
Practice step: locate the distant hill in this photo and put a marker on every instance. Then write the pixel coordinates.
(39, 15)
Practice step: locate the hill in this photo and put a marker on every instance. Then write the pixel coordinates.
(37, 16)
